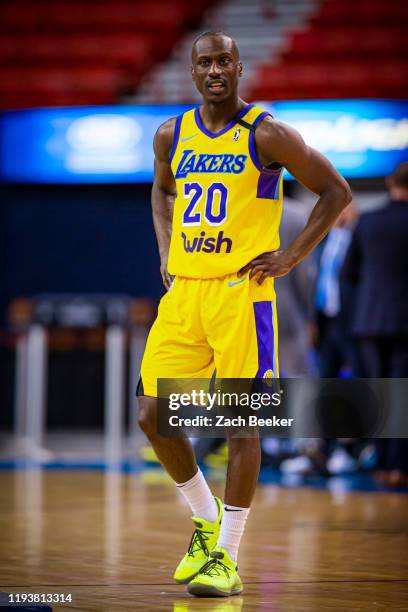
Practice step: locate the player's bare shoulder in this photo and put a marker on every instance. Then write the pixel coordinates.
(163, 139)
(273, 138)
(269, 127)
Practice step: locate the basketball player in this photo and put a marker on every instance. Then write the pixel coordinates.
(217, 201)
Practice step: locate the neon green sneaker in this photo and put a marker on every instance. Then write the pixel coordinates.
(202, 542)
(218, 577)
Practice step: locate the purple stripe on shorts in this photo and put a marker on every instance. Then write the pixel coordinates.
(265, 337)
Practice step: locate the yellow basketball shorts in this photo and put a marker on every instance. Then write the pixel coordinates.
(227, 324)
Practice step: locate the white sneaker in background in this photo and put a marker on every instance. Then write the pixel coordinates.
(340, 462)
(297, 465)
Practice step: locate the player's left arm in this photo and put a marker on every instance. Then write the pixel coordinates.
(280, 143)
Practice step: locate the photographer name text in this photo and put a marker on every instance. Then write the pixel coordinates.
(222, 421)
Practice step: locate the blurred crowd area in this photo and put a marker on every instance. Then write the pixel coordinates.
(343, 312)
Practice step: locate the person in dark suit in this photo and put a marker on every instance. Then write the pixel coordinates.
(295, 298)
(377, 262)
(332, 304)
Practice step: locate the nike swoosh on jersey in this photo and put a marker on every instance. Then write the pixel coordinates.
(185, 138)
(232, 283)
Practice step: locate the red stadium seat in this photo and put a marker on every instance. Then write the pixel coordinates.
(337, 40)
(62, 51)
(65, 51)
(331, 79)
(104, 14)
(363, 11)
(351, 49)
(70, 49)
(23, 81)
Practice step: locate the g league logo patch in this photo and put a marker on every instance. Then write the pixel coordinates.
(237, 133)
(268, 377)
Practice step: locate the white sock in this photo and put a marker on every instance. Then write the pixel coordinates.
(232, 528)
(197, 494)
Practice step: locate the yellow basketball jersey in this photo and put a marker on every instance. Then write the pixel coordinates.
(228, 206)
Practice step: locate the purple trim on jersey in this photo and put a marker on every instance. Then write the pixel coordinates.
(268, 184)
(176, 137)
(202, 127)
(252, 150)
(265, 337)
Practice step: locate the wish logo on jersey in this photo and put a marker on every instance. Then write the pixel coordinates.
(210, 163)
(207, 245)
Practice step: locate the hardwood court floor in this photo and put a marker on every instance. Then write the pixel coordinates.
(112, 540)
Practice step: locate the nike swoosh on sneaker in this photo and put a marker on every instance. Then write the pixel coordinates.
(185, 138)
(232, 283)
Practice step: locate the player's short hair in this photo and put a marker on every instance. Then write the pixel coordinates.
(215, 33)
(400, 175)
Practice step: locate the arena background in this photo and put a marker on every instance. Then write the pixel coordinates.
(83, 86)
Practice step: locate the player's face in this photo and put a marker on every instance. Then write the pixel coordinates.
(216, 67)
